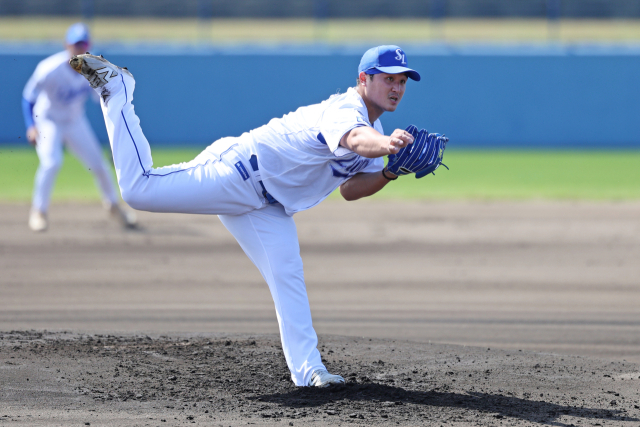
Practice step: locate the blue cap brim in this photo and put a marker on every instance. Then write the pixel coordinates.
(412, 74)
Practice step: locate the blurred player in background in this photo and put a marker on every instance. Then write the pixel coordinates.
(53, 107)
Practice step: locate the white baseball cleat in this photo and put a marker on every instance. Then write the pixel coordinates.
(38, 221)
(322, 378)
(97, 70)
(127, 218)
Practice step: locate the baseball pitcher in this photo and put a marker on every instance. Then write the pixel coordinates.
(257, 181)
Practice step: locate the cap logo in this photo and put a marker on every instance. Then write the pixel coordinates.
(400, 57)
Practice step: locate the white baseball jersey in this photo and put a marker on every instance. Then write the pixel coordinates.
(300, 159)
(59, 93)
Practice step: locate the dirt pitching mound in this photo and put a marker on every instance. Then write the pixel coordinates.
(102, 379)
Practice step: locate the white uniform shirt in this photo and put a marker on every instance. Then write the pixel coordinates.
(59, 93)
(300, 159)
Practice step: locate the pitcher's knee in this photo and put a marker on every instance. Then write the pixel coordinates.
(134, 199)
(143, 198)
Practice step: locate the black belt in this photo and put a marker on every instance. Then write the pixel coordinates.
(254, 165)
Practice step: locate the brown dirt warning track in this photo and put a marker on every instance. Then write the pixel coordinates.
(436, 313)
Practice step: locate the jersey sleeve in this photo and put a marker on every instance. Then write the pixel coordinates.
(27, 112)
(34, 85)
(30, 94)
(338, 120)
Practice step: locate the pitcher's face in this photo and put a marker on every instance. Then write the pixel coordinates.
(386, 90)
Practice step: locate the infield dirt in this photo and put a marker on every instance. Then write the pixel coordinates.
(435, 313)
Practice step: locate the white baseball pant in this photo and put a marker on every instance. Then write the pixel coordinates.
(213, 183)
(81, 141)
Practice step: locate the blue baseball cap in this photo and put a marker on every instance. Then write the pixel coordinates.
(76, 33)
(386, 59)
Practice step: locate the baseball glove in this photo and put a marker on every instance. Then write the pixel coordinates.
(422, 157)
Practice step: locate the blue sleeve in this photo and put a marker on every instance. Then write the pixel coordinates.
(27, 111)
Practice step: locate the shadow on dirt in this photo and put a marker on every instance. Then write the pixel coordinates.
(389, 399)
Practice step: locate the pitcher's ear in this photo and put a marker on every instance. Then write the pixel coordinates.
(362, 77)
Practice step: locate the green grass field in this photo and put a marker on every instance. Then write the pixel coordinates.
(478, 175)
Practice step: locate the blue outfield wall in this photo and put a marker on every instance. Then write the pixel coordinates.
(552, 97)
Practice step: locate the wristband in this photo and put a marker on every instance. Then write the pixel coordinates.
(387, 178)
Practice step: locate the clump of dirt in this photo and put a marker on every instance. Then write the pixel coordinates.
(240, 379)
